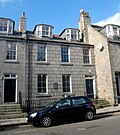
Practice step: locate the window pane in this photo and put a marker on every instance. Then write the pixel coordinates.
(41, 54)
(11, 51)
(6, 26)
(66, 83)
(86, 56)
(45, 31)
(64, 54)
(41, 83)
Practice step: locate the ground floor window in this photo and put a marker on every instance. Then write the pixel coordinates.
(42, 83)
(66, 81)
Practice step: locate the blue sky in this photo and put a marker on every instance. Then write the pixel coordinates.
(60, 14)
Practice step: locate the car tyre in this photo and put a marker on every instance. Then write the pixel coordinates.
(89, 115)
(46, 121)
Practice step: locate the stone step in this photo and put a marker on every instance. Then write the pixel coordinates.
(101, 103)
(9, 111)
(11, 116)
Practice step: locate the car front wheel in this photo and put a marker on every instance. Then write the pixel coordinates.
(46, 121)
(89, 115)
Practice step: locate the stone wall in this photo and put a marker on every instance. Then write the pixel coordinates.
(103, 64)
(12, 67)
(55, 69)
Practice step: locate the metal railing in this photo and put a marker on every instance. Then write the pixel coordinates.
(34, 104)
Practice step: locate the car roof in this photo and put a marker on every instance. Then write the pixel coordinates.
(77, 97)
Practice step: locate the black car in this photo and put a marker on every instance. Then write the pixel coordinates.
(63, 109)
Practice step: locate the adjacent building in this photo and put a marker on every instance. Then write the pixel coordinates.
(106, 42)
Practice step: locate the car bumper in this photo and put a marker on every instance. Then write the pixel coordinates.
(32, 120)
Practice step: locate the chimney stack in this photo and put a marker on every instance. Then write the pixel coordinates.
(84, 20)
(22, 24)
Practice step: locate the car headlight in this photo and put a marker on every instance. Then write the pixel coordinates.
(33, 114)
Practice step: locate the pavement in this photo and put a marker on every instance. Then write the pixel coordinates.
(23, 121)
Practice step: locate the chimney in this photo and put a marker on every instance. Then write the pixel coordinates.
(84, 20)
(22, 23)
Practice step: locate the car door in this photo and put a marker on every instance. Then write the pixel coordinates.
(62, 110)
(78, 107)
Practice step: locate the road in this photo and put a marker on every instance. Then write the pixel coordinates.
(102, 125)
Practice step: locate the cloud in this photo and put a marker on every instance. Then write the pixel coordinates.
(5, 1)
(115, 19)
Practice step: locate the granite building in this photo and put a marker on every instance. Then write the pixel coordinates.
(39, 63)
(106, 41)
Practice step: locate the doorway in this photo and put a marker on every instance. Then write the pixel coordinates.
(117, 77)
(89, 84)
(10, 88)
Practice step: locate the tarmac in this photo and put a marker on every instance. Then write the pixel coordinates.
(23, 121)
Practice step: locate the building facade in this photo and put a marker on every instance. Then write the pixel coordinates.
(106, 42)
(38, 63)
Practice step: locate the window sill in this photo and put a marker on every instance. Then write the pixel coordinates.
(43, 63)
(66, 64)
(67, 94)
(43, 95)
(10, 61)
(88, 64)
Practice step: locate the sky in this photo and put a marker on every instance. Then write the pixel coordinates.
(60, 14)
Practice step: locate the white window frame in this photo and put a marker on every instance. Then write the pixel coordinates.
(66, 55)
(115, 30)
(70, 33)
(9, 44)
(8, 26)
(93, 78)
(46, 84)
(89, 56)
(70, 79)
(42, 52)
(41, 30)
(10, 76)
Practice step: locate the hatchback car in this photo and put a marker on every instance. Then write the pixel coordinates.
(63, 109)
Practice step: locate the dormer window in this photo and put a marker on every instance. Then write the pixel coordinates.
(71, 34)
(43, 30)
(115, 32)
(6, 26)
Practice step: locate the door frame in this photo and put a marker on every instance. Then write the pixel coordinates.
(10, 76)
(93, 78)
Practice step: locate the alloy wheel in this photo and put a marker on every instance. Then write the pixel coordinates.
(46, 121)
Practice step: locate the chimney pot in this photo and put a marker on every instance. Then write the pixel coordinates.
(23, 14)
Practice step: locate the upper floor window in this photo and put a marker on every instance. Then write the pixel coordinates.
(6, 26)
(115, 31)
(43, 30)
(64, 54)
(66, 81)
(42, 83)
(11, 51)
(41, 52)
(72, 34)
(86, 56)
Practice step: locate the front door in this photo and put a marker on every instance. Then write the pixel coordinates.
(9, 90)
(117, 77)
(89, 88)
